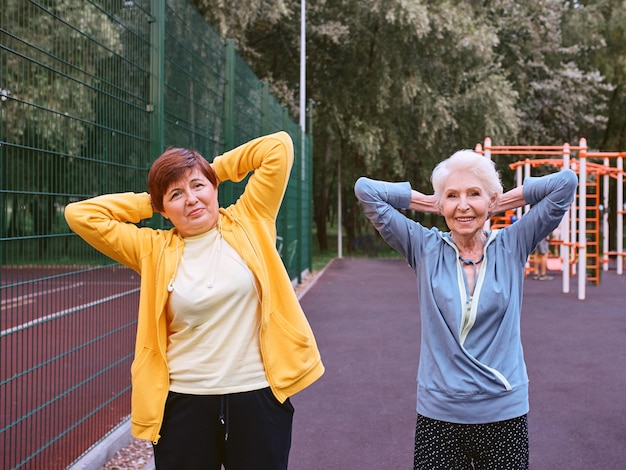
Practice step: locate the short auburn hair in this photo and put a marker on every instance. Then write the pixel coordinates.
(172, 166)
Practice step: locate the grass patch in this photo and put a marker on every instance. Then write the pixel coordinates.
(369, 246)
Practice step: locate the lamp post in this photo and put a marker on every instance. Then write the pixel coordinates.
(303, 68)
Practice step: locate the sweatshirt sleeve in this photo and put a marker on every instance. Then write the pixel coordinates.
(380, 201)
(558, 188)
(550, 197)
(378, 198)
(270, 158)
(108, 224)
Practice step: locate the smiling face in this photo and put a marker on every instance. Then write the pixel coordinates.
(190, 203)
(465, 203)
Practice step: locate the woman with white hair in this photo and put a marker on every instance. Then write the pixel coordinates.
(472, 394)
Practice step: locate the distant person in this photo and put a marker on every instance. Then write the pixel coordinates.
(541, 260)
(472, 397)
(222, 342)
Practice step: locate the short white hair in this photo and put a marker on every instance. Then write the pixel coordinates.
(471, 162)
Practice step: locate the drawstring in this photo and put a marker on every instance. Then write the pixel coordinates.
(170, 286)
(224, 404)
(211, 283)
(215, 264)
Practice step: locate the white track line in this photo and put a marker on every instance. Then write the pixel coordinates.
(21, 298)
(62, 313)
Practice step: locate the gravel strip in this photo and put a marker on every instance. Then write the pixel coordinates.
(136, 455)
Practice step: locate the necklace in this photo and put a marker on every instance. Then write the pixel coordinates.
(469, 261)
(466, 261)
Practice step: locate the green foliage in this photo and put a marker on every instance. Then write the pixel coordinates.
(597, 31)
(28, 124)
(398, 85)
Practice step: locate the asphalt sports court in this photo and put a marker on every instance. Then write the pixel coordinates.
(361, 414)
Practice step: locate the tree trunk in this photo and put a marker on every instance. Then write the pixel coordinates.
(615, 130)
(322, 201)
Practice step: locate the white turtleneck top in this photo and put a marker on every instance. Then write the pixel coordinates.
(214, 320)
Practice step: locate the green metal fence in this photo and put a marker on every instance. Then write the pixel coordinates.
(91, 92)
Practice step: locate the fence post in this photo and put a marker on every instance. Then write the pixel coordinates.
(229, 96)
(156, 107)
(284, 208)
(299, 180)
(226, 190)
(265, 107)
(309, 165)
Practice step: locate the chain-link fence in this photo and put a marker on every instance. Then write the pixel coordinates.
(91, 92)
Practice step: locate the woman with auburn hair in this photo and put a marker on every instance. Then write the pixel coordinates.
(472, 391)
(222, 342)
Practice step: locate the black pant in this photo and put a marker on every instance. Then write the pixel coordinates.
(501, 445)
(242, 431)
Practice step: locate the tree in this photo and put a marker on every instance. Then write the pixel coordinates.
(597, 30)
(559, 101)
(399, 85)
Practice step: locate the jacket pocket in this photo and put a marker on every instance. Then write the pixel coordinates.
(150, 385)
(289, 352)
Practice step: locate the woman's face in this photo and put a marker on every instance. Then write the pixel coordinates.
(191, 204)
(465, 203)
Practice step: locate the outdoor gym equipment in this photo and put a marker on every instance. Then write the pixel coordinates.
(584, 230)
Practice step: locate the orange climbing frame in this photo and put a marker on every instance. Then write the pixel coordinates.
(588, 218)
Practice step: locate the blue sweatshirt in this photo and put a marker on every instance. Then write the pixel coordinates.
(471, 365)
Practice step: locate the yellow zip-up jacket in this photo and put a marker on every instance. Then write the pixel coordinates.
(288, 348)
